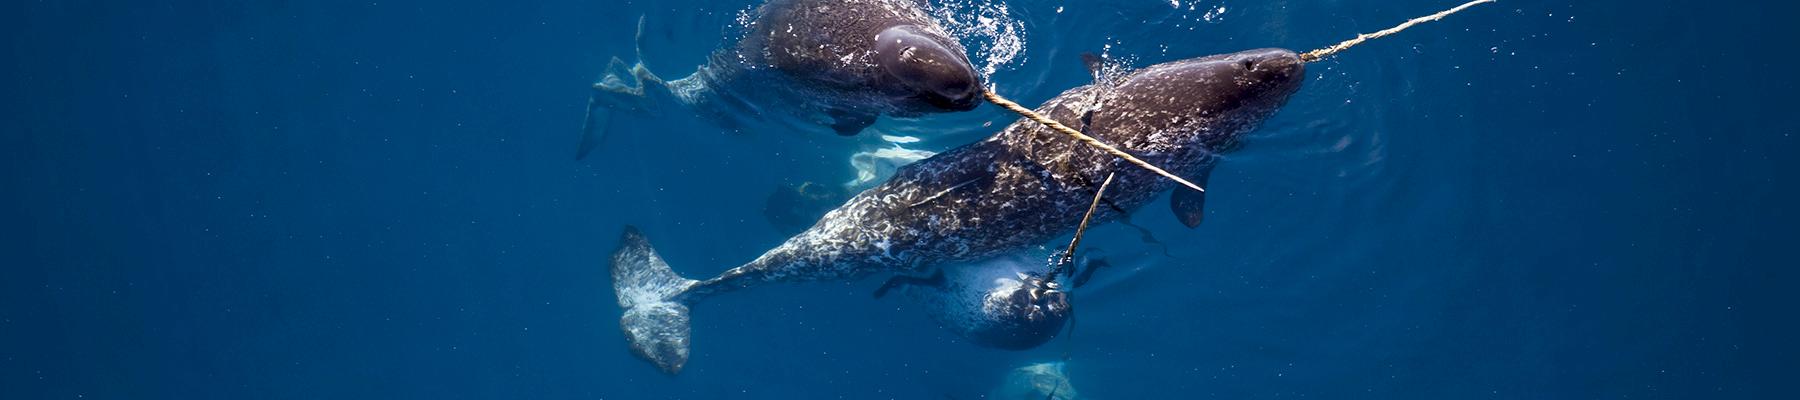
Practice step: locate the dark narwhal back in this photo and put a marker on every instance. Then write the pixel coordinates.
(832, 44)
(1197, 104)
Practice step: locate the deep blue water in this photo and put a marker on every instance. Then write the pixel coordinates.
(1530, 200)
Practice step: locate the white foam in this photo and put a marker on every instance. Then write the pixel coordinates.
(994, 37)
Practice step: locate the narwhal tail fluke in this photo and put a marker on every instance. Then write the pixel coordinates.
(655, 318)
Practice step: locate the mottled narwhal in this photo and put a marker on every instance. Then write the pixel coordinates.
(833, 63)
(1016, 189)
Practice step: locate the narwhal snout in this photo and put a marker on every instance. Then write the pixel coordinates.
(928, 67)
(961, 95)
(1280, 67)
(952, 83)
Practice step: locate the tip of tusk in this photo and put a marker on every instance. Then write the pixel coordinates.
(1190, 185)
(1320, 54)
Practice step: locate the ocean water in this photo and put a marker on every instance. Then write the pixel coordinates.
(311, 200)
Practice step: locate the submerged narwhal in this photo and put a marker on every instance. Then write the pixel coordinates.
(833, 63)
(1014, 190)
(1005, 302)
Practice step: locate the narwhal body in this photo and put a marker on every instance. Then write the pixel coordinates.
(1014, 190)
(817, 63)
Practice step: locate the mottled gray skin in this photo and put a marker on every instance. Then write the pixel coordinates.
(1019, 188)
(1028, 183)
(823, 57)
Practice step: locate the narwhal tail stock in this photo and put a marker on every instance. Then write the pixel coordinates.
(620, 85)
(631, 87)
(655, 318)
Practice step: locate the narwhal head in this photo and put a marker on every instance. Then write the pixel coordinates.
(1201, 103)
(928, 69)
(1021, 313)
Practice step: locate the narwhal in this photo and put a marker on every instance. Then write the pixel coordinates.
(1016, 189)
(977, 302)
(832, 63)
(999, 196)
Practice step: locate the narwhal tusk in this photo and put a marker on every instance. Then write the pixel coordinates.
(1320, 54)
(1068, 256)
